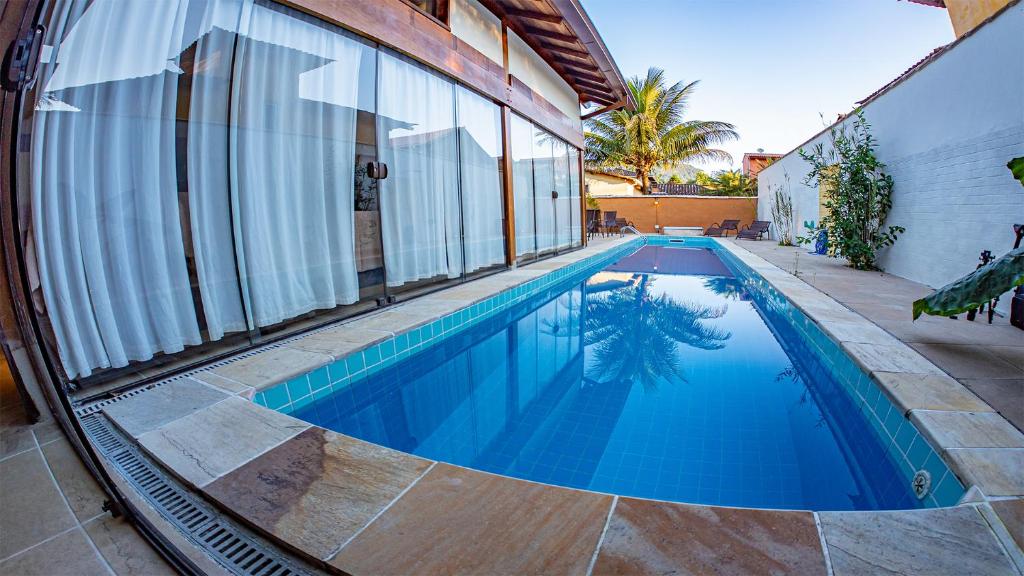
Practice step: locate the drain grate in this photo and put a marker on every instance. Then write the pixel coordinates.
(235, 549)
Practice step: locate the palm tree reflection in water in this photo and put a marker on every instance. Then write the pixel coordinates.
(635, 334)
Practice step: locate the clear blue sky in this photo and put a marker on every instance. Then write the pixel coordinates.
(772, 68)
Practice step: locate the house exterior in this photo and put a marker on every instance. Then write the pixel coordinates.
(966, 15)
(953, 192)
(754, 162)
(194, 179)
(610, 183)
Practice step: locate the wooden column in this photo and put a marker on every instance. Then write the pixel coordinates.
(506, 178)
(506, 157)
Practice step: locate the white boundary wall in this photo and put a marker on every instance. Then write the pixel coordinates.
(946, 134)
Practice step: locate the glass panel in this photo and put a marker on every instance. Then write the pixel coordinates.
(293, 145)
(563, 204)
(522, 186)
(480, 158)
(544, 185)
(109, 187)
(192, 182)
(417, 135)
(575, 205)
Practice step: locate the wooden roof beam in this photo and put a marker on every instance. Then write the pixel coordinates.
(593, 85)
(534, 15)
(567, 38)
(564, 50)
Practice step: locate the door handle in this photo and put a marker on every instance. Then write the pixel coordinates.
(377, 170)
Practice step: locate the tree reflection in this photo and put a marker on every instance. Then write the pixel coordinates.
(636, 334)
(727, 286)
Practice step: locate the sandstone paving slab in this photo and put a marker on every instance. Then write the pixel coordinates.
(272, 366)
(157, 406)
(340, 341)
(460, 521)
(937, 542)
(997, 471)
(225, 384)
(929, 392)
(316, 490)
(211, 442)
(650, 537)
(889, 358)
(1011, 513)
(967, 429)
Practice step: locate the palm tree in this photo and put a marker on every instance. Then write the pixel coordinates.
(655, 135)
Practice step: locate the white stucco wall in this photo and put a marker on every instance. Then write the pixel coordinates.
(478, 27)
(526, 65)
(946, 134)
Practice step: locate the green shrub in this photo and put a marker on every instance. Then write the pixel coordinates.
(857, 194)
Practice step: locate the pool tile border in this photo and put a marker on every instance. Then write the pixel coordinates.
(883, 361)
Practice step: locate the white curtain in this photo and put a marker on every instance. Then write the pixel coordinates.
(208, 169)
(544, 184)
(563, 205)
(479, 157)
(106, 227)
(292, 153)
(419, 199)
(522, 185)
(575, 205)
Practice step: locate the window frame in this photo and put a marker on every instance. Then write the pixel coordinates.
(443, 16)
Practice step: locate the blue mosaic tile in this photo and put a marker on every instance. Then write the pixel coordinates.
(276, 397)
(355, 363)
(338, 370)
(319, 379)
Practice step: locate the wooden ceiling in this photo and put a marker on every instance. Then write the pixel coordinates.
(563, 35)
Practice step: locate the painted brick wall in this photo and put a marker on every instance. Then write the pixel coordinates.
(946, 134)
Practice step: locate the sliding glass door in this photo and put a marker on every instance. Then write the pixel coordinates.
(546, 192)
(219, 172)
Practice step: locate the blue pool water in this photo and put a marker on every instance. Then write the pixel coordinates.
(673, 373)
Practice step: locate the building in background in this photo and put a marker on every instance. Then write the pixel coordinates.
(599, 183)
(754, 162)
(966, 15)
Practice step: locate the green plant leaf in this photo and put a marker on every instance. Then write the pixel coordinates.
(976, 288)
(1016, 167)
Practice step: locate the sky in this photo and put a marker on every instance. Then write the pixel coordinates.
(779, 70)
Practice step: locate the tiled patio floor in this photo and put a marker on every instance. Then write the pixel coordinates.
(52, 521)
(987, 359)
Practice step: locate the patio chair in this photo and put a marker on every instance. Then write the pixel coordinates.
(727, 225)
(621, 223)
(755, 231)
(593, 218)
(714, 230)
(609, 222)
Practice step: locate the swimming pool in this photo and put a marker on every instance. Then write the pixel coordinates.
(672, 372)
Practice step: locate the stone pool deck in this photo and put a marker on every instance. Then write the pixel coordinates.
(351, 506)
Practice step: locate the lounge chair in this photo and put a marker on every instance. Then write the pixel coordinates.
(593, 218)
(621, 223)
(609, 222)
(727, 225)
(755, 231)
(714, 230)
